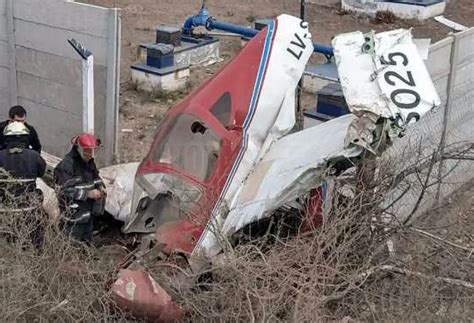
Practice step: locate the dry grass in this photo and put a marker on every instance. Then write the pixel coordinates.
(385, 17)
(58, 281)
(341, 271)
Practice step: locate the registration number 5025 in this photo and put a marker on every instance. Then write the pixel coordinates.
(401, 84)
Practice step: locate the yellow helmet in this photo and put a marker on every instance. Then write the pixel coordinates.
(16, 128)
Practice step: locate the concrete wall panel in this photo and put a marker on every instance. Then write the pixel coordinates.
(4, 80)
(45, 92)
(4, 104)
(438, 62)
(466, 46)
(77, 17)
(3, 27)
(55, 140)
(4, 56)
(39, 37)
(4, 61)
(465, 77)
(48, 71)
(3, 7)
(46, 66)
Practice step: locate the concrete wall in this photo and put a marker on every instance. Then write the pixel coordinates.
(460, 114)
(4, 58)
(49, 71)
(451, 65)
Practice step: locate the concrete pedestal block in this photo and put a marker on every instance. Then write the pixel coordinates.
(401, 10)
(150, 79)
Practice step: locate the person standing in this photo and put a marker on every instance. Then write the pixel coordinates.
(20, 169)
(81, 190)
(18, 114)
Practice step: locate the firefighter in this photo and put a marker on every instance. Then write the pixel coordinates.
(18, 192)
(18, 113)
(81, 190)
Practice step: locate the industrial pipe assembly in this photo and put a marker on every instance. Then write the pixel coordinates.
(204, 19)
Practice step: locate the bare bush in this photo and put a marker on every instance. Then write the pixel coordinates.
(364, 263)
(52, 278)
(385, 17)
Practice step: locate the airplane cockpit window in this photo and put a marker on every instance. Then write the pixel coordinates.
(189, 145)
(222, 109)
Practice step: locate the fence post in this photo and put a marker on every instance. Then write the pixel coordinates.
(113, 86)
(87, 85)
(449, 101)
(88, 94)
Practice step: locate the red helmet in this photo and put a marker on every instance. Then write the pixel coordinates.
(87, 144)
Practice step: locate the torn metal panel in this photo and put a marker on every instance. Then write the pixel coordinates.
(139, 293)
(402, 76)
(282, 176)
(118, 180)
(384, 74)
(178, 236)
(292, 166)
(50, 200)
(161, 198)
(271, 114)
(274, 114)
(355, 70)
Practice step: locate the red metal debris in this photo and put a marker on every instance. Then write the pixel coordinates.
(179, 236)
(137, 292)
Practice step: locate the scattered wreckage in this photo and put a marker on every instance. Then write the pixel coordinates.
(227, 155)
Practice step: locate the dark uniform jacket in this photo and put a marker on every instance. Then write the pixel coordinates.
(33, 139)
(22, 164)
(76, 178)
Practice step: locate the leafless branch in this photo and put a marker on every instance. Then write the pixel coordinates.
(452, 281)
(437, 238)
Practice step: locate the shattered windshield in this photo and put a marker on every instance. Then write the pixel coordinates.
(160, 198)
(190, 146)
(222, 109)
(185, 192)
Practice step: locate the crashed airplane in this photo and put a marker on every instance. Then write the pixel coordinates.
(227, 155)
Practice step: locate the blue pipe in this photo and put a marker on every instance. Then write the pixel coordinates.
(198, 20)
(235, 29)
(203, 19)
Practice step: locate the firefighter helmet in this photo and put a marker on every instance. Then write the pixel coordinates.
(87, 145)
(16, 128)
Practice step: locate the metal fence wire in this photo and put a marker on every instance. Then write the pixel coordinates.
(451, 66)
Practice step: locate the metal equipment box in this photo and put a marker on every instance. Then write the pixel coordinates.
(330, 103)
(160, 55)
(168, 35)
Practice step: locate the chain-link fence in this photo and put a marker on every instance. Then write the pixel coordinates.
(445, 131)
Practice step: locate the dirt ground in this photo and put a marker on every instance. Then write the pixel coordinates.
(141, 113)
